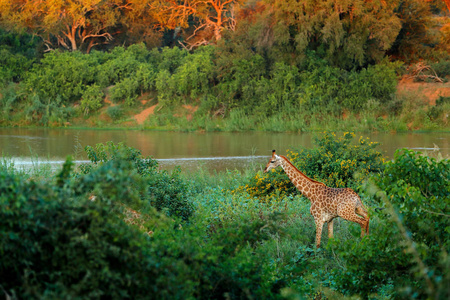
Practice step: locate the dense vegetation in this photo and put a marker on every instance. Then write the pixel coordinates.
(118, 227)
(270, 65)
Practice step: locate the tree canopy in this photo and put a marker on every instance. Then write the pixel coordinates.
(70, 24)
(348, 33)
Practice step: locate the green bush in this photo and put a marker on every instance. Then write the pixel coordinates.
(323, 85)
(238, 77)
(169, 193)
(166, 192)
(18, 52)
(337, 162)
(62, 74)
(438, 112)
(129, 70)
(282, 90)
(103, 153)
(168, 59)
(53, 112)
(68, 237)
(59, 245)
(145, 75)
(165, 86)
(119, 64)
(115, 112)
(193, 78)
(409, 246)
(441, 68)
(421, 194)
(13, 66)
(92, 99)
(186, 78)
(125, 90)
(9, 100)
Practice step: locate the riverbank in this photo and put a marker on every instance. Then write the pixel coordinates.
(418, 107)
(105, 90)
(421, 106)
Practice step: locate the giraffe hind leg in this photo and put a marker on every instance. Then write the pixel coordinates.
(351, 215)
(330, 228)
(363, 213)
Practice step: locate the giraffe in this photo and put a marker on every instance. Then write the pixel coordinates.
(326, 203)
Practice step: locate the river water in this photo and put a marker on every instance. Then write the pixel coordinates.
(190, 151)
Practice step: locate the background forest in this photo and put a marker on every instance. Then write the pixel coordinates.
(222, 64)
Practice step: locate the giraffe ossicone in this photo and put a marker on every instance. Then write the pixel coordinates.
(327, 203)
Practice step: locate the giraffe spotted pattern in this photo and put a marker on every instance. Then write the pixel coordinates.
(326, 203)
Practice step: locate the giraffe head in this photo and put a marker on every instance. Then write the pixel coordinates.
(274, 162)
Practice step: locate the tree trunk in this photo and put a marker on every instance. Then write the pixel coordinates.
(447, 2)
(71, 33)
(72, 38)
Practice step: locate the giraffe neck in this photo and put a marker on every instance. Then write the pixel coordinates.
(303, 183)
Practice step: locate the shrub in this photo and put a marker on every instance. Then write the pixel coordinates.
(168, 59)
(127, 90)
(273, 185)
(187, 78)
(122, 63)
(8, 100)
(438, 112)
(129, 70)
(18, 52)
(441, 68)
(115, 112)
(145, 75)
(337, 162)
(169, 193)
(51, 113)
(92, 99)
(103, 153)
(323, 85)
(283, 89)
(238, 79)
(62, 74)
(13, 66)
(194, 76)
(166, 192)
(57, 245)
(57, 242)
(410, 245)
(165, 86)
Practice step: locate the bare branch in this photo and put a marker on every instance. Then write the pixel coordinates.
(420, 68)
(190, 46)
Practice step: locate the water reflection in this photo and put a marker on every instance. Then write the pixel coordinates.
(217, 151)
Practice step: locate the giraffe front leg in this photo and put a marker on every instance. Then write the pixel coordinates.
(319, 226)
(330, 228)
